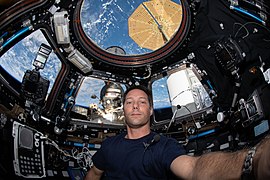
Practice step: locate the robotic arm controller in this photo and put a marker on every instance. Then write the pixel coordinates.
(34, 86)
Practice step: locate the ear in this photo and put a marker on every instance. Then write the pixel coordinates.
(151, 111)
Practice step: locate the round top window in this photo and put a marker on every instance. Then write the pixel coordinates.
(131, 28)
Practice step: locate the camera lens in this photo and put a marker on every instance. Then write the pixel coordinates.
(34, 77)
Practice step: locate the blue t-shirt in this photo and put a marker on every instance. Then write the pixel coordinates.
(129, 159)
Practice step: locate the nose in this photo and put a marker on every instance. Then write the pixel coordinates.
(135, 106)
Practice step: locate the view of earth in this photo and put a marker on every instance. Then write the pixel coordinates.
(106, 23)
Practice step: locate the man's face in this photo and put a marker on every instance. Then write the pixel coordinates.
(137, 109)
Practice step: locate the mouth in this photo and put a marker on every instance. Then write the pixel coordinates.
(135, 114)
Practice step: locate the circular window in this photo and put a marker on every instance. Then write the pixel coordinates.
(146, 31)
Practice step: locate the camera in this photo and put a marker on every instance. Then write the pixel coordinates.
(253, 114)
(228, 55)
(34, 87)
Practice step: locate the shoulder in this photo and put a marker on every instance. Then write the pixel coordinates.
(170, 144)
(168, 140)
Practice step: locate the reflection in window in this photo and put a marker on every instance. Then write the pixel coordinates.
(20, 58)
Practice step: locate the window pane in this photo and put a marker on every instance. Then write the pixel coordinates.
(137, 27)
(182, 89)
(20, 58)
(100, 101)
(161, 97)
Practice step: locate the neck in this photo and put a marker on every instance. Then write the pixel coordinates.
(137, 133)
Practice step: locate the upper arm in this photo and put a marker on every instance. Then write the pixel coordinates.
(183, 166)
(94, 174)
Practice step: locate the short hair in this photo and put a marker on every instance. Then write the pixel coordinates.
(144, 89)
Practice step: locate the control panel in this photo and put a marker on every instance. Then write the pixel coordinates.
(28, 152)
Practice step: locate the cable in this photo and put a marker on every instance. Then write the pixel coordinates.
(247, 13)
(244, 26)
(83, 158)
(17, 34)
(180, 93)
(147, 76)
(202, 134)
(173, 117)
(191, 115)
